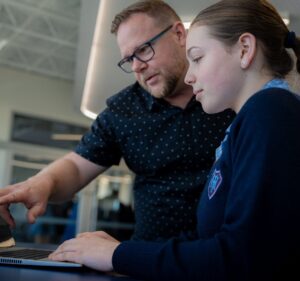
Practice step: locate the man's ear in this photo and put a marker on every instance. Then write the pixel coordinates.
(180, 32)
(247, 46)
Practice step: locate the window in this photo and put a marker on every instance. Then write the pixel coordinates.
(34, 130)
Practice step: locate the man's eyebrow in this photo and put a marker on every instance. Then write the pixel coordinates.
(142, 44)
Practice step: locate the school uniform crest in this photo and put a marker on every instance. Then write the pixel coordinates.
(214, 183)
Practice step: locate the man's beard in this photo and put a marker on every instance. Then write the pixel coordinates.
(168, 88)
(170, 83)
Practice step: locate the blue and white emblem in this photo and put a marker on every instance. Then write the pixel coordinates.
(214, 183)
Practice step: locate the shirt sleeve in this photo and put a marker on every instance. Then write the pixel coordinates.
(99, 144)
(259, 238)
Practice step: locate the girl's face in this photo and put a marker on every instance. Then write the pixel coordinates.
(214, 71)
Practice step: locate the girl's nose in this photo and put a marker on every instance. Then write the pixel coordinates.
(189, 78)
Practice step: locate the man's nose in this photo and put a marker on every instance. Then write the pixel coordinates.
(137, 65)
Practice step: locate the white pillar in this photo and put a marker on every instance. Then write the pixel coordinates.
(5, 167)
(87, 208)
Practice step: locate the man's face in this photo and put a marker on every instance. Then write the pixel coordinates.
(162, 74)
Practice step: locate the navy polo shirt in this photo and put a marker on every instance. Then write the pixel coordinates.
(170, 150)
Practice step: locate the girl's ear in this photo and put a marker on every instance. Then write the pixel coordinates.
(247, 47)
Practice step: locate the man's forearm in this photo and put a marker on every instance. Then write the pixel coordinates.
(62, 177)
(68, 175)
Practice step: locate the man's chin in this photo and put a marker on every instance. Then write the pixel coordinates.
(156, 92)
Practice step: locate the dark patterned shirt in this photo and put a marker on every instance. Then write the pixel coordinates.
(169, 149)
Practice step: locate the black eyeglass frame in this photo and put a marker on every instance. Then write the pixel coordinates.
(147, 43)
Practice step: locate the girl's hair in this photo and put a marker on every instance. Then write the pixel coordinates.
(228, 19)
(157, 9)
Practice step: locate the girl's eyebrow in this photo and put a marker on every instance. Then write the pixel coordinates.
(189, 50)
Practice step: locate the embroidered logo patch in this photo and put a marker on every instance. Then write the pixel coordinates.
(214, 183)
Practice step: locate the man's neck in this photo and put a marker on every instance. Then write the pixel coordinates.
(180, 99)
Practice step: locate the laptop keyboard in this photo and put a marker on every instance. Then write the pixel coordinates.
(32, 254)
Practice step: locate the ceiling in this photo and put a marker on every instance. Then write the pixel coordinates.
(54, 38)
(40, 36)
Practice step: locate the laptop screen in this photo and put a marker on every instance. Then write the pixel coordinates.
(6, 239)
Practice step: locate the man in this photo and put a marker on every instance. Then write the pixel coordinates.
(155, 125)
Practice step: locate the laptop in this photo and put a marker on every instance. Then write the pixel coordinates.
(12, 255)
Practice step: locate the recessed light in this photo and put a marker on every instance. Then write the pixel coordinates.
(3, 43)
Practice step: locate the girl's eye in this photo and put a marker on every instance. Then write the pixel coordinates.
(196, 60)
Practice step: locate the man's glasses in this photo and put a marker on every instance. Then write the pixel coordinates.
(143, 53)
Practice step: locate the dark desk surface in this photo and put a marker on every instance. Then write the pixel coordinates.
(23, 273)
(18, 273)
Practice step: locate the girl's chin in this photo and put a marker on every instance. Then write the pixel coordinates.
(209, 109)
(209, 106)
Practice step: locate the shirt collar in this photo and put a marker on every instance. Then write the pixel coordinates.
(149, 100)
(276, 83)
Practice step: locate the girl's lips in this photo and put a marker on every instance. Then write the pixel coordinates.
(198, 94)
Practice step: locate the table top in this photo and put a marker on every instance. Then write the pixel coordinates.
(27, 273)
(21, 273)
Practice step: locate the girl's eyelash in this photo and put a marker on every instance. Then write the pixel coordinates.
(196, 59)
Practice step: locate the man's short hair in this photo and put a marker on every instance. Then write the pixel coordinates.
(157, 9)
